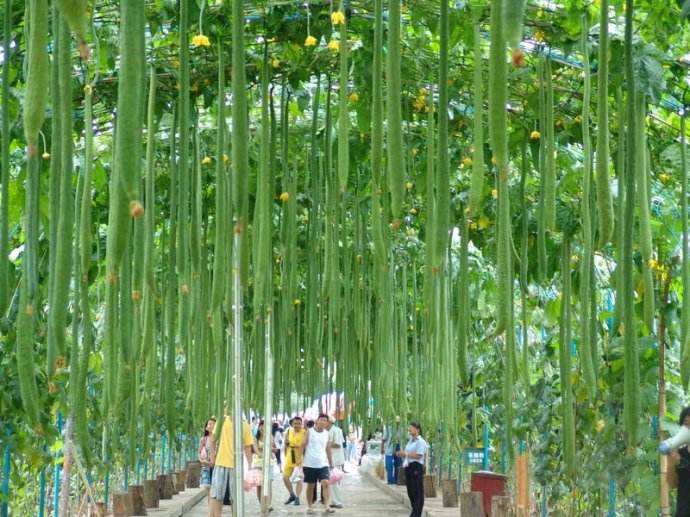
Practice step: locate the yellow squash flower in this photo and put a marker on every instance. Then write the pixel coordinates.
(310, 41)
(494, 193)
(354, 97)
(483, 222)
(409, 185)
(467, 161)
(535, 135)
(337, 18)
(206, 160)
(46, 155)
(334, 45)
(201, 40)
(285, 197)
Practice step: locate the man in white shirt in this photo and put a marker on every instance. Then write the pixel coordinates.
(317, 463)
(335, 441)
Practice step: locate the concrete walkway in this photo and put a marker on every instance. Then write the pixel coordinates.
(362, 499)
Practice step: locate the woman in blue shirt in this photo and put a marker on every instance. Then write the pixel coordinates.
(414, 458)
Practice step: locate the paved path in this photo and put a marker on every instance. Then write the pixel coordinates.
(362, 499)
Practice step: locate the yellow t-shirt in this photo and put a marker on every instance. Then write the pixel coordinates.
(293, 446)
(226, 448)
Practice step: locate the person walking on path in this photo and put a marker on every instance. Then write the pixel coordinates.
(292, 451)
(336, 441)
(678, 473)
(223, 479)
(414, 457)
(390, 445)
(260, 449)
(207, 453)
(351, 453)
(317, 463)
(277, 433)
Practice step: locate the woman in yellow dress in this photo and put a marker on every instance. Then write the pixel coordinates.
(293, 443)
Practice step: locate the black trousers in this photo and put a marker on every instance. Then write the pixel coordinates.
(414, 479)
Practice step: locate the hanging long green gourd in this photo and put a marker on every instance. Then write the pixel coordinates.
(442, 208)
(124, 183)
(262, 218)
(463, 299)
(564, 347)
(642, 166)
(34, 114)
(513, 16)
(393, 112)
(478, 166)
(124, 186)
(524, 266)
(343, 113)
(499, 145)
(240, 158)
(586, 271)
(38, 69)
(85, 251)
(603, 184)
(620, 207)
(62, 274)
(220, 255)
(75, 13)
(685, 261)
(170, 304)
(541, 220)
(148, 353)
(631, 400)
(549, 173)
(26, 372)
(5, 164)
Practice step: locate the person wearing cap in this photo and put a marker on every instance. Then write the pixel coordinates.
(414, 457)
(335, 442)
(390, 445)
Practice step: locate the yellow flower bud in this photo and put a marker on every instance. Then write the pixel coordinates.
(467, 161)
(206, 160)
(285, 197)
(200, 40)
(310, 41)
(535, 135)
(334, 45)
(337, 18)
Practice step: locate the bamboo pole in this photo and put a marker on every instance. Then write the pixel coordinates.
(238, 506)
(268, 411)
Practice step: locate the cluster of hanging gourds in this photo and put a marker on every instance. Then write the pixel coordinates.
(333, 303)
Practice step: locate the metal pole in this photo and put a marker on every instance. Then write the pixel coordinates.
(42, 491)
(238, 507)
(268, 411)
(58, 470)
(485, 461)
(6, 465)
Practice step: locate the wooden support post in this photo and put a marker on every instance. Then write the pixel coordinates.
(522, 469)
(164, 488)
(472, 504)
(151, 494)
(429, 485)
(502, 506)
(136, 493)
(180, 480)
(122, 504)
(193, 474)
(449, 492)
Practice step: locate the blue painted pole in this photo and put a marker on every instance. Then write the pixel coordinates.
(6, 466)
(58, 471)
(163, 441)
(485, 461)
(42, 493)
(612, 496)
(106, 496)
(544, 504)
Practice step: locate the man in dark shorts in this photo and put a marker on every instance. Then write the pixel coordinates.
(317, 463)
